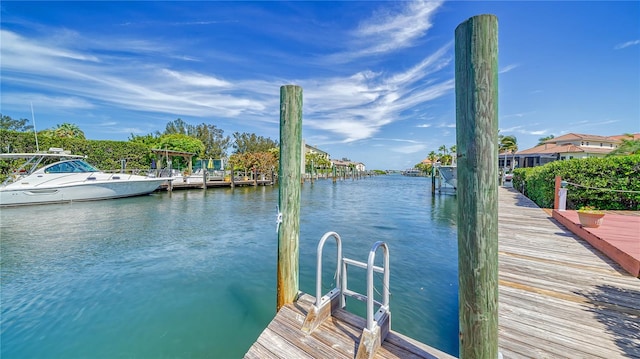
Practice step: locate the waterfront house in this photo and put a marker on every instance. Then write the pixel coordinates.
(312, 149)
(344, 163)
(569, 146)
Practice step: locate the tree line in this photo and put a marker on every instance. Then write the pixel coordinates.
(203, 140)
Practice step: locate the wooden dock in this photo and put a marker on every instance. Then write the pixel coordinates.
(559, 297)
(338, 337)
(618, 237)
(179, 185)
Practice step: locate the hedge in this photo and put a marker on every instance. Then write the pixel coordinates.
(604, 183)
(103, 154)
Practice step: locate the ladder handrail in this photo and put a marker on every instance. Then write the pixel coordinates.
(319, 265)
(341, 278)
(385, 289)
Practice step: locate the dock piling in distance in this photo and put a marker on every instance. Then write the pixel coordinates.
(476, 74)
(290, 183)
(204, 175)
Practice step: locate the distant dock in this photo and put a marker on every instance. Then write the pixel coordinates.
(178, 184)
(558, 297)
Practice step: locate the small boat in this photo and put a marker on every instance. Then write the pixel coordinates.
(57, 176)
(449, 174)
(412, 172)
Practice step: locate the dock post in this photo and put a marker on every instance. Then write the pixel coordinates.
(476, 74)
(254, 173)
(556, 192)
(433, 179)
(204, 175)
(560, 195)
(290, 183)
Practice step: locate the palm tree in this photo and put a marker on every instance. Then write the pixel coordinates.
(432, 156)
(453, 149)
(629, 146)
(544, 139)
(443, 149)
(508, 144)
(68, 130)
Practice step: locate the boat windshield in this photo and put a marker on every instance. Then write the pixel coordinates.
(75, 166)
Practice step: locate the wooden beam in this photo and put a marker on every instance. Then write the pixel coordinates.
(289, 193)
(556, 192)
(476, 63)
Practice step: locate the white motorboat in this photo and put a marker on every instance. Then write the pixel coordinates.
(449, 174)
(57, 176)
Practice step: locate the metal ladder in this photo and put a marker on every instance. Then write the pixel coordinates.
(378, 324)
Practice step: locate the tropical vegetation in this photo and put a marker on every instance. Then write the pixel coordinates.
(603, 183)
(106, 155)
(508, 145)
(542, 140)
(444, 156)
(628, 146)
(204, 141)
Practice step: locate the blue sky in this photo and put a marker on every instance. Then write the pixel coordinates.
(377, 77)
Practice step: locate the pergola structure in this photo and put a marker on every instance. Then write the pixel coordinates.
(164, 156)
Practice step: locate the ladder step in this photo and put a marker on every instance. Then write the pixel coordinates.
(359, 296)
(361, 265)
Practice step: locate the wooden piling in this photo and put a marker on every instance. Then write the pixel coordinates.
(289, 193)
(204, 174)
(556, 192)
(433, 179)
(476, 64)
(254, 172)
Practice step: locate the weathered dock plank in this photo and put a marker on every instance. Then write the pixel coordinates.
(618, 237)
(559, 296)
(337, 337)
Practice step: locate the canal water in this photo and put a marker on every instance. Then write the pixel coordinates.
(192, 274)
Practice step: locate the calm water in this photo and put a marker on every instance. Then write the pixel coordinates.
(192, 274)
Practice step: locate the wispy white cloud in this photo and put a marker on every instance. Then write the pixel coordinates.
(605, 122)
(538, 132)
(518, 115)
(389, 30)
(396, 140)
(627, 44)
(409, 149)
(424, 125)
(43, 102)
(109, 124)
(508, 68)
(137, 76)
(195, 79)
(523, 131)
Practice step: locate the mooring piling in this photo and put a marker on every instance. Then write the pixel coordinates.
(289, 193)
(476, 73)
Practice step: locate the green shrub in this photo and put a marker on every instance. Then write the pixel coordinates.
(105, 155)
(603, 183)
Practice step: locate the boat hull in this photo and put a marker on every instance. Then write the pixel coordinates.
(18, 194)
(450, 175)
